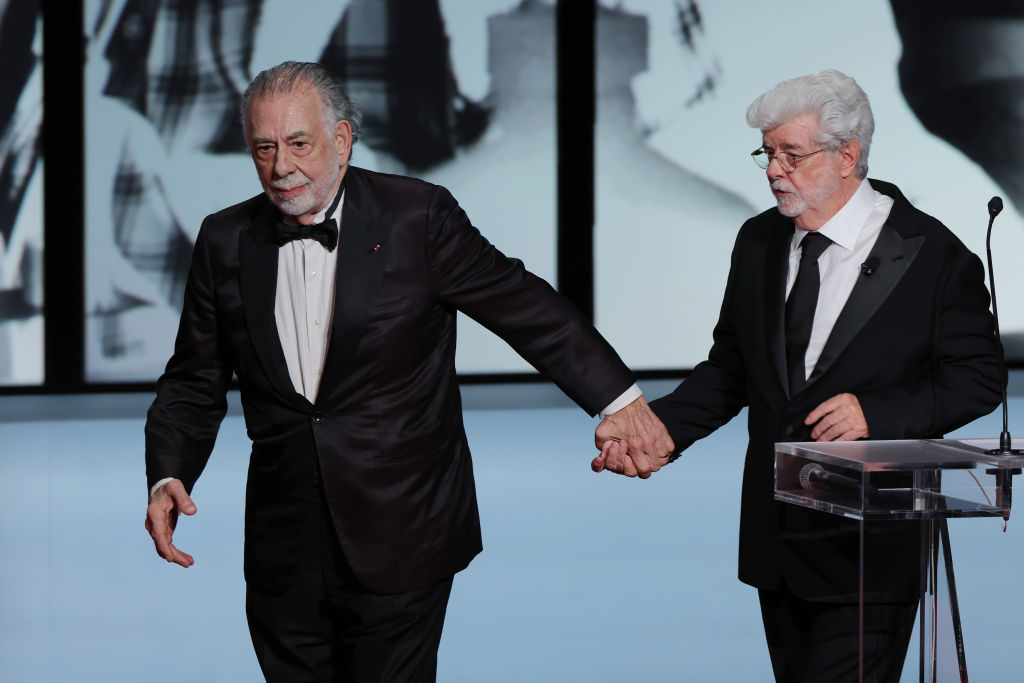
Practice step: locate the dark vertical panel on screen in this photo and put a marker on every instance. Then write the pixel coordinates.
(62, 151)
(575, 32)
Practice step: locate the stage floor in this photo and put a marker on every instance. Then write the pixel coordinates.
(584, 577)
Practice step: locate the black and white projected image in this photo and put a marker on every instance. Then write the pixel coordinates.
(962, 73)
(463, 94)
(164, 146)
(654, 211)
(21, 197)
(946, 84)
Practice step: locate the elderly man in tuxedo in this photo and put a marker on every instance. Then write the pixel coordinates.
(848, 314)
(360, 502)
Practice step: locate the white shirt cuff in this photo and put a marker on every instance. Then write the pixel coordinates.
(627, 397)
(158, 485)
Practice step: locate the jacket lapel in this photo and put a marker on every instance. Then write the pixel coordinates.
(894, 254)
(363, 251)
(257, 265)
(776, 270)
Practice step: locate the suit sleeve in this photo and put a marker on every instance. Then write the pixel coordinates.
(964, 378)
(716, 390)
(191, 399)
(498, 292)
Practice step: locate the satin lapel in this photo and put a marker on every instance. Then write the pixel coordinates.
(363, 251)
(776, 269)
(894, 254)
(257, 266)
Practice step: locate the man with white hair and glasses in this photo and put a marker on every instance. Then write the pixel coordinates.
(848, 314)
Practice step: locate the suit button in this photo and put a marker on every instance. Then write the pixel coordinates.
(317, 418)
(788, 431)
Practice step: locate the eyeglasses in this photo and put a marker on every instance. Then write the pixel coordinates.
(787, 161)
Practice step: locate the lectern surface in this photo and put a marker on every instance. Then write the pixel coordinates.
(908, 479)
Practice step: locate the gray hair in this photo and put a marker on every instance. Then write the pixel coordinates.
(287, 76)
(844, 113)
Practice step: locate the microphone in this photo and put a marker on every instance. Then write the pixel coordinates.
(870, 266)
(995, 205)
(814, 476)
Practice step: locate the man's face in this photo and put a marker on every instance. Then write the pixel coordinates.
(809, 193)
(299, 157)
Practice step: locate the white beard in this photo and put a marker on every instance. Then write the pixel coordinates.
(310, 201)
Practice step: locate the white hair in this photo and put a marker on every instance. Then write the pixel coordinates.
(284, 78)
(843, 110)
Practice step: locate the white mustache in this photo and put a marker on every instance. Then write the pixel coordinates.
(289, 182)
(782, 186)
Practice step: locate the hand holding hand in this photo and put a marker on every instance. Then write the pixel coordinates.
(162, 516)
(633, 442)
(840, 418)
(614, 458)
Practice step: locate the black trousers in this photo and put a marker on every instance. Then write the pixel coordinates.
(326, 628)
(818, 642)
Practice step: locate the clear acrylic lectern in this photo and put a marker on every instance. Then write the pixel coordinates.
(950, 478)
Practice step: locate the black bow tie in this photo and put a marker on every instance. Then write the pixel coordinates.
(325, 233)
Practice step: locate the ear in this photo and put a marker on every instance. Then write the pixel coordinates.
(849, 155)
(343, 140)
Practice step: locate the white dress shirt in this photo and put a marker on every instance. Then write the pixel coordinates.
(304, 306)
(853, 231)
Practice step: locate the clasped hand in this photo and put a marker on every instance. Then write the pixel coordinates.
(632, 441)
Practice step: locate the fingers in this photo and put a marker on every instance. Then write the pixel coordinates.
(160, 531)
(822, 410)
(840, 431)
(617, 458)
(161, 517)
(839, 418)
(182, 502)
(646, 442)
(646, 463)
(614, 458)
(646, 455)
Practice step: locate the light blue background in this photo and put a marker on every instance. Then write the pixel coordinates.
(584, 577)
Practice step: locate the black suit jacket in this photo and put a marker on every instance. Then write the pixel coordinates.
(386, 429)
(915, 343)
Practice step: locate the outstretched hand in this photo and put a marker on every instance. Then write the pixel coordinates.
(633, 442)
(162, 516)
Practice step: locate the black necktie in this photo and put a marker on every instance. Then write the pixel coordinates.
(803, 299)
(325, 233)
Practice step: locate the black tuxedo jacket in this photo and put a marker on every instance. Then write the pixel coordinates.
(386, 431)
(915, 343)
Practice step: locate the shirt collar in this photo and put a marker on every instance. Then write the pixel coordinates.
(844, 227)
(332, 210)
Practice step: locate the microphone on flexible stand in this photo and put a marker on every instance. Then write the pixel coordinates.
(995, 205)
